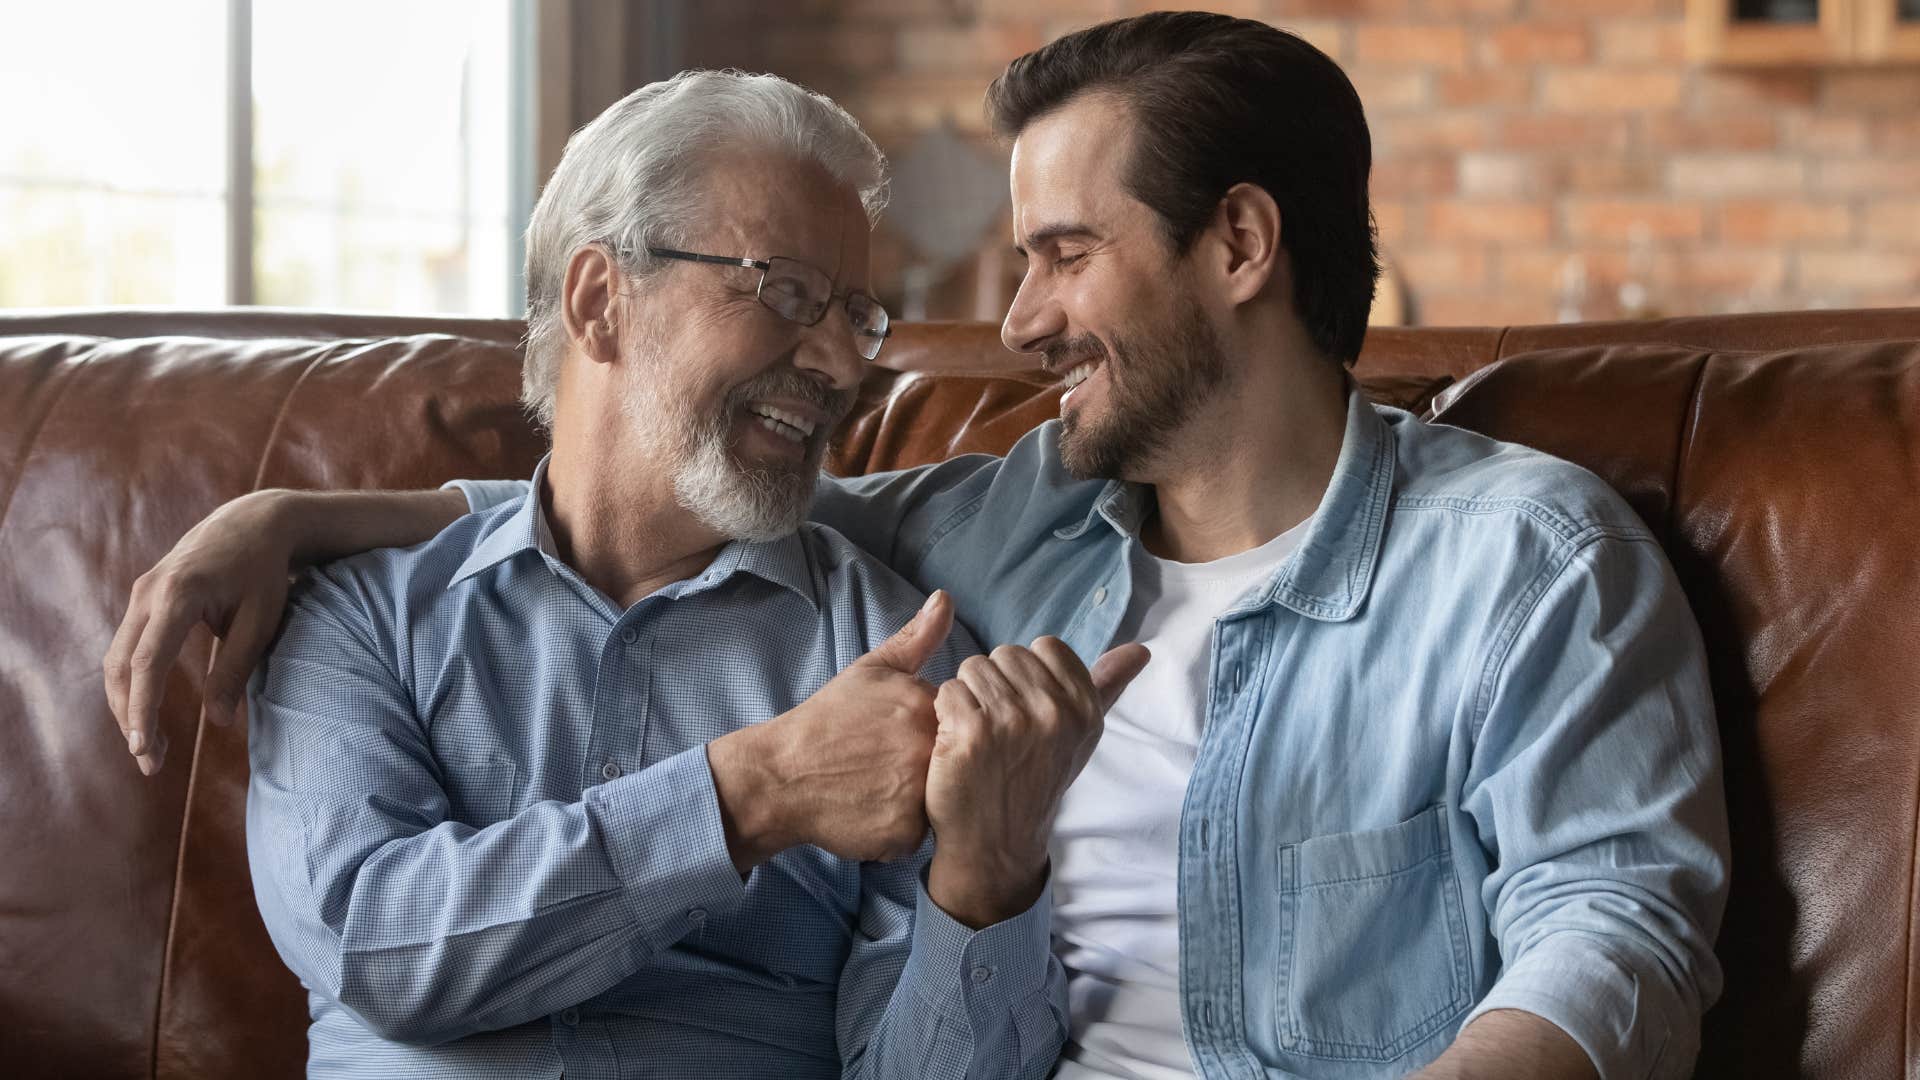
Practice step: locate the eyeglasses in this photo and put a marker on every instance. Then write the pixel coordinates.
(802, 293)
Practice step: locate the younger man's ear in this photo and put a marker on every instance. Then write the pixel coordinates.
(1246, 226)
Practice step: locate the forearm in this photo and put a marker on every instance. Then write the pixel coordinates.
(442, 933)
(321, 526)
(1508, 1044)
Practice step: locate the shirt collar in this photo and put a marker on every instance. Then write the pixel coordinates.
(1328, 577)
(523, 530)
(781, 561)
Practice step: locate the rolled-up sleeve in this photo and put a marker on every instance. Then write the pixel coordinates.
(428, 929)
(1596, 783)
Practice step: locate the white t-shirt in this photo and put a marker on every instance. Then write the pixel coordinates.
(1116, 853)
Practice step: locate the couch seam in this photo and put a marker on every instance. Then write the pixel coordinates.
(1683, 452)
(1906, 983)
(32, 438)
(199, 741)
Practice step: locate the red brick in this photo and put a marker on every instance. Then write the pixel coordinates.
(1345, 9)
(1424, 44)
(1773, 221)
(1394, 222)
(1330, 36)
(1618, 222)
(1816, 133)
(1452, 267)
(1492, 222)
(1643, 41)
(1505, 308)
(1390, 90)
(1872, 90)
(1502, 86)
(1612, 9)
(1726, 271)
(1898, 176)
(985, 48)
(1729, 131)
(1468, 130)
(1895, 223)
(1547, 131)
(1540, 43)
(1239, 9)
(1733, 90)
(1897, 134)
(1614, 175)
(1734, 174)
(1611, 89)
(1413, 175)
(1880, 270)
(1507, 174)
(799, 51)
(1533, 269)
(1470, 8)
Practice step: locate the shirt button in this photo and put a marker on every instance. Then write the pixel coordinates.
(1099, 596)
(698, 914)
(629, 636)
(610, 771)
(571, 1017)
(982, 975)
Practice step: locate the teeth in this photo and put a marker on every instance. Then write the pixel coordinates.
(785, 431)
(800, 424)
(1077, 375)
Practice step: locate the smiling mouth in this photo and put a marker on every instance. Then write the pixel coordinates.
(789, 426)
(1078, 374)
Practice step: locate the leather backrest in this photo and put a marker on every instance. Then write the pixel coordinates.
(1784, 483)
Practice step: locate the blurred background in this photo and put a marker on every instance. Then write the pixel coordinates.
(1535, 160)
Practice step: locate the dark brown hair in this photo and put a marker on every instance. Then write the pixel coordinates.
(1220, 101)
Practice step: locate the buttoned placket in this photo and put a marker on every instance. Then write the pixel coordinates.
(1211, 960)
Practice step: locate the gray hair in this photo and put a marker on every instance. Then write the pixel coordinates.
(632, 178)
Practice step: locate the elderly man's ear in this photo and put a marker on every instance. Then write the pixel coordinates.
(590, 303)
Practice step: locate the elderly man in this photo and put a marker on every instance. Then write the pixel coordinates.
(1424, 775)
(594, 783)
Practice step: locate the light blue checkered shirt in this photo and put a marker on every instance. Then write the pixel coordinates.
(484, 834)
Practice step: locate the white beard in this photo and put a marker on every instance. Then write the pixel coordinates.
(755, 505)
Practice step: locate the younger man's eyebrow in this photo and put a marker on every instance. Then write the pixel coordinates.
(1049, 233)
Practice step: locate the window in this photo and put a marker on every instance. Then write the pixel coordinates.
(389, 155)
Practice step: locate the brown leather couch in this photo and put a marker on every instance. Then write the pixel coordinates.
(1778, 454)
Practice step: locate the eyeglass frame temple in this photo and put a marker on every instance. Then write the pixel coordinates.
(762, 265)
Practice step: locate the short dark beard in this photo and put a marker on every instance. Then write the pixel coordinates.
(1155, 384)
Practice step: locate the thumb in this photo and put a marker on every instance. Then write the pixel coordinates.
(1115, 669)
(909, 649)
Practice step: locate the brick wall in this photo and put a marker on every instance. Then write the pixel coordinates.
(1516, 142)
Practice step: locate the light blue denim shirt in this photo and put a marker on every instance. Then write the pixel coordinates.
(483, 832)
(1459, 752)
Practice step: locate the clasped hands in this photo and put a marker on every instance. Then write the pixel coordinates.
(864, 766)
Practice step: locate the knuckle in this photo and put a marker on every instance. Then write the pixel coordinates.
(141, 662)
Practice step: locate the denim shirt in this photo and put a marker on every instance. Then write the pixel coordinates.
(1459, 752)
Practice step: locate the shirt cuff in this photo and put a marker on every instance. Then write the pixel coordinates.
(963, 973)
(1628, 1020)
(486, 494)
(661, 830)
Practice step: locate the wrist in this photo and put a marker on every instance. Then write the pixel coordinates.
(980, 891)
(751, 807)
(278, 512)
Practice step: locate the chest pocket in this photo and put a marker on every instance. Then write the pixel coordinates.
(482, 788)
(1372, 942)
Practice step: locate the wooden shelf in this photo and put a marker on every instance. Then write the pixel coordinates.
(1847, 32)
